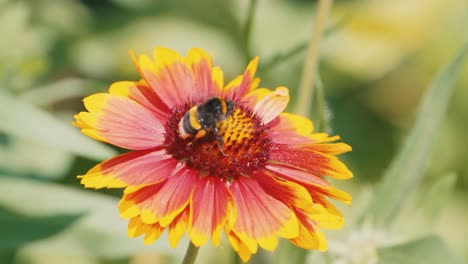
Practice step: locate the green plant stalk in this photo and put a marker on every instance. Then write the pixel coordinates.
(190, 254)
(247, 29)
(306, 92)
(285, 55)
(321, 122)
(235, 259)
(288, 252)
(282, 56)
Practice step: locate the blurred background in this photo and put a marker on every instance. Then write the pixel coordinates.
(377, 59)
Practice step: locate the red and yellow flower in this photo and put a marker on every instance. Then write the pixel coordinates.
(268, 181)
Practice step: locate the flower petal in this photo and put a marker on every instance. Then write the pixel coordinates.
(129, 205)
(291, 129)
(168, 76)
(143, 94)
(178, 227)
(314, 162)
(160, 202)
(272, 104)
(140, 167)
(312, 182)
(120, 121)
(164, 57)
(331, 148)
(201, 63)
(218, 78)
(210, 207)
(260, 217)
(241, 249)
(296, 130)
(236, 89)
(325, 214)
(137, 228)
(296, 123)
(322, 200)
(310, 236)
(154, 231)
(254, 96)
(289, 193)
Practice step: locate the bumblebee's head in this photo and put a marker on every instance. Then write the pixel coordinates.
(219, 107)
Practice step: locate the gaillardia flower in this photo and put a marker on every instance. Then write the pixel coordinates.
(207, 157)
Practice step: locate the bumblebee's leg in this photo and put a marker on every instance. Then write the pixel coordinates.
(220, 140)
(200, 133)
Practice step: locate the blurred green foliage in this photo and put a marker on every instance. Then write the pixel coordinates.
(424, 250)
(18, 230)
(377, 59)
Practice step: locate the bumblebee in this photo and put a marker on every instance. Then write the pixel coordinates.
(204, 118)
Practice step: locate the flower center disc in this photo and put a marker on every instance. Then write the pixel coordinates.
(246, 145)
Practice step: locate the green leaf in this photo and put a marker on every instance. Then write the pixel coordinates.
(101, 233)
(407, 168)
(8, 256)
(60, 90)
(31, 159)
(434, 200)
(17, 229)
(24, 120)
(427, 250)
(319, 111)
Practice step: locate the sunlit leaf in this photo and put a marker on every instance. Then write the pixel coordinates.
(18, 229)
(21, 156)
(437, 196)
(427, 250)
(23, 120)
(407, 168)
(60, 90)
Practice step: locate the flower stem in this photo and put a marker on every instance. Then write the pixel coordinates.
(321, 121)
(282, 56)
(247, 30)
(296, 49)
(306, 86)
(190, 254)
